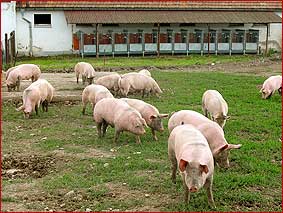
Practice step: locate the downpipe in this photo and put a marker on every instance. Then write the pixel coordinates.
(30, 33)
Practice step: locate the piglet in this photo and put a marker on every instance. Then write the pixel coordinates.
(189, 150)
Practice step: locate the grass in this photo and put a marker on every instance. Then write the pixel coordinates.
(253, 183)
(68, 62)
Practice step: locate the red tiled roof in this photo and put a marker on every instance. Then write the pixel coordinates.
(142, 16)
(156, 4)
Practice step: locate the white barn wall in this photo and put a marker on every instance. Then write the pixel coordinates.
(53, 40)
(274, 38)
(8, 19)
(57, 39)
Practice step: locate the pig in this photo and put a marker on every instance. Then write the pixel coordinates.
(145, 72)
(118, 114)
(189, 150)
(93, 94)
(149, 113)
(39, 92)
(136, 82)
(214, 134)
(270, 85)
(214, 103)
(110, 82)
(86, 71)
(9, 70)
(21, 72)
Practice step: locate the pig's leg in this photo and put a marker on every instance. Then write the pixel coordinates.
(84, 106)
(186, 189)
(46, 106)
(77, 75)
(18, 85)
(104, 127)
(208, 186)
(174, 168)
(280, 91)
(117, 134)
(98, 125)
(138, 139)
(43, 105)
(36, 109)
(154, 134)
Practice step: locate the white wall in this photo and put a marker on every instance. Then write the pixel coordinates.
(8, 19)
(56, 39)
(274, 38)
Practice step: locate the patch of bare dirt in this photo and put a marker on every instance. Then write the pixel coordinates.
(34, 166)
(89, 153)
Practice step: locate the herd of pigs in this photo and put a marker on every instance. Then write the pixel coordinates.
(195, 141)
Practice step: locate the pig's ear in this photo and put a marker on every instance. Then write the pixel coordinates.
(234, 146)
(204, 168)
(182, 165)
(221, 149)
(164, 115)
(152, 117)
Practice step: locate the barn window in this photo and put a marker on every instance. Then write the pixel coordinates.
(252, 37)
(42, 19)
(224, 37)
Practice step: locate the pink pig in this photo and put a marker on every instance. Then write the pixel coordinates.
(149, 113)
(39, 92)
(211, 130)
(21, 72)
(189, 150)
(136, 82)
(270, 85)
(118, 114)
(86, 71)
(94, 93)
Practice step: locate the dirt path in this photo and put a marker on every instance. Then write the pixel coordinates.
(68, 90)
(65, 84)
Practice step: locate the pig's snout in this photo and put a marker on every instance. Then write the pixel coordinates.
(193, 189)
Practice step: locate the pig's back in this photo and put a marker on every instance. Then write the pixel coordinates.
(186, 117)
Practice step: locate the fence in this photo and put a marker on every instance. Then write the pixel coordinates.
(183, 42)
(9, 50)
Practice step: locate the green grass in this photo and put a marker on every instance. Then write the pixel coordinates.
(253, 183)
(68, 62)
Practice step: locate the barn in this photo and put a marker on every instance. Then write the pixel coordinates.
(144, 27)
